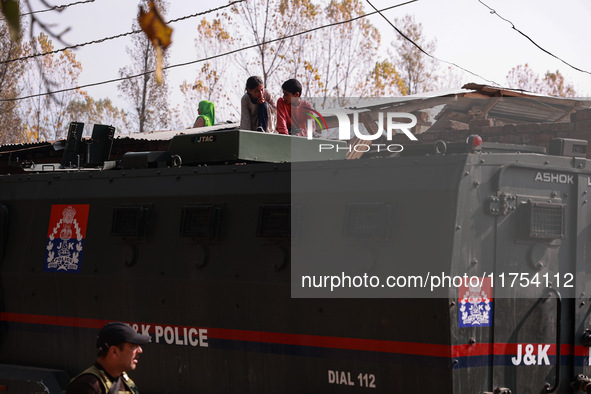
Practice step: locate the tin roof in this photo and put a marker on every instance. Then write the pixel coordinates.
(472, 101)
(166, 135)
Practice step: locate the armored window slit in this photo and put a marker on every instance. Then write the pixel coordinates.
(130, 221)
(543, 220)
(274, 221)
(201, 221)
(368, 221)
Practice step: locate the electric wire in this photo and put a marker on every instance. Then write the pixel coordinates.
(493, 11)
(425, 52)
(58, 7)
(54, 8)
(116, 36)
(209, 57)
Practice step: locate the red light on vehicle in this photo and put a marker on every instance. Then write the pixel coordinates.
(474, 142)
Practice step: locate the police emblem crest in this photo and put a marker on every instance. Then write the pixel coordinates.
(476, 304)
(65, 238)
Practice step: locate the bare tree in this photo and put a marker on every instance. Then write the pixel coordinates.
(333, 62)
(45, 116)
(351, 51)
(260, 21)
(149, 99)
(553, 84)
(417, 70)
(10, 74)
(91, 111)
(213, 82)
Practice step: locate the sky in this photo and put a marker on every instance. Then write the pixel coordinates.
(466, 31)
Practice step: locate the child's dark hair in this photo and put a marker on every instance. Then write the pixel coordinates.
(293, 86)
(253, 82)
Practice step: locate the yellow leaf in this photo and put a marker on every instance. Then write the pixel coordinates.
(155, 28)
(159, 34)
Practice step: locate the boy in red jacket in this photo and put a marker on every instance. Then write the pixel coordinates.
(292, 111)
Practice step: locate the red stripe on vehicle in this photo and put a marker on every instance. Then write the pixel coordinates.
(371, 345)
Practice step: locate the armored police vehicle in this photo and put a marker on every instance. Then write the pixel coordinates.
(266, 263)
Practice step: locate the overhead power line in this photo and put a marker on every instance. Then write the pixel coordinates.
(288, 36)
(425, 52)
(493, 11)
(116, 36)
(210, 57)
(58, 7)
(54, 8)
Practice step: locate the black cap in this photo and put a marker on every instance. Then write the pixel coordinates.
(116, 333)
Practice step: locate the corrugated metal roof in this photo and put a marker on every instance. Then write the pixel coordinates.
(168, 134)
(476, 101)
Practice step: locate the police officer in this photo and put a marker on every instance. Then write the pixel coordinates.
(118, 346)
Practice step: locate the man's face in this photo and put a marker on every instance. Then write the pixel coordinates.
(290, 98)
(128, 356)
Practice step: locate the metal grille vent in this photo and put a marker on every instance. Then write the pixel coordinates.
(274, 221)
(201, 221)
(130, 221)
(544, 220)
(368, 221)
